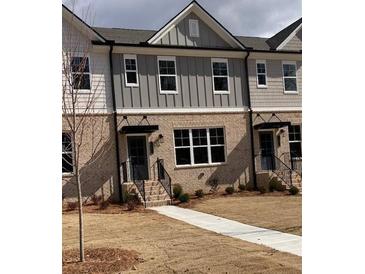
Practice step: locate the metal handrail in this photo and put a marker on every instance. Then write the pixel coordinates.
(140, 184)
(161, 175)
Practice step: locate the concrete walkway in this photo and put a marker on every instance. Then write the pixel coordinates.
(277, 240)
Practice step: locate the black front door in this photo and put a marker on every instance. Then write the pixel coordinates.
(267, 151)
(137, 153)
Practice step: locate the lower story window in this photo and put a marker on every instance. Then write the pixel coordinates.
(199, 146)
(295, 141)
(67, 158)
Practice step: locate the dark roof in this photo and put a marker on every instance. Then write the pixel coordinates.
(128, 36)
(258, 43)
(278, 38)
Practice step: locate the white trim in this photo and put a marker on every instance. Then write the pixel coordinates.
(220, 60)
(257, 74)
(191, 23)
(130, 56)
(181, 110)
(167, 58)
(296, 77)
(205, 17)
(283, 44)
(278, 109)
(83, 55)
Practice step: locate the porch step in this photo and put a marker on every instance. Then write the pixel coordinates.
(155, 194)
(158, 203)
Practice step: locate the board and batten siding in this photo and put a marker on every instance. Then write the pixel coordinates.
(295, 43)
(179, 35)
(273, 95)
(194, 85)
(76, 42)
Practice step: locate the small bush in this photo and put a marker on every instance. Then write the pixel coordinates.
(242, 187)
(199, 193)
(250, 188)
(184, 198)
(132, 201)
(72, 205)
(262, 189)
(293, 190)
(96, 199)
(104, 204)
(230, 190)
(177, 190)
(276, 185)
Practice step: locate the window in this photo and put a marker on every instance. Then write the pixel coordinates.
(295, 141)
(290, 77)
(199, 146)
(67, 158)
(220, 75)
(193, 28)
(131, 70)
(167, 74)
(261, 74)
(80, 70)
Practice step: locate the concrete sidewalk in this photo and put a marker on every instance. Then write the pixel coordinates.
(277, 240)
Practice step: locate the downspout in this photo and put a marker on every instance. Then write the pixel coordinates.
(115, 120)
(250, 122)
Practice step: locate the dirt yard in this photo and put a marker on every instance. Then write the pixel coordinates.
(169, 246)
(278, 212)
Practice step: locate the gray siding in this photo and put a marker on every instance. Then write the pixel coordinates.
(194, 84)
(273, 95)
(295, 43)
(179, 35)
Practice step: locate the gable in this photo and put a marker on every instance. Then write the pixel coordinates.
(179, 35)
(218, 35)
(295, 43)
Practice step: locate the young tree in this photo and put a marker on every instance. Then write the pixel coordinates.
(79, 97)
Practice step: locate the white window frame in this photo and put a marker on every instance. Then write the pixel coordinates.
(295, 141)
(220, 60)
(72, 155)
(191, 23)
(208, 145)
(86, 91)
(130, 56)
(284, 77)
(167, 58)
(260, 73)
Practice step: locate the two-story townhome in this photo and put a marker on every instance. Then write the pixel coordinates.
(195, 105)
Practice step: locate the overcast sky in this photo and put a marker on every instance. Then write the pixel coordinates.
(241, 17)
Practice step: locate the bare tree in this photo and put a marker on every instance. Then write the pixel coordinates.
(79, 107)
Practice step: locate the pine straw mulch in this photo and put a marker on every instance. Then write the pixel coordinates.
(99, 260)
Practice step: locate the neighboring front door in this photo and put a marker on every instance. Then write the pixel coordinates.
(137, 154)
(267, 150)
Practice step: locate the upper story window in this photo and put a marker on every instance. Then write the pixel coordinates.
(80, 69)
(220, 75)
(67, 154)
(261, 74)
(193, 28)
(290, 77)
(131, 70)
(199, 146)
(167, 74)
(295, 141)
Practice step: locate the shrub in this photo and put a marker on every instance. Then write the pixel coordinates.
(72, 205)
(104, 204)
(262, 189)
(230, 190)
(274, 184)
(96, 199)
(293, 190)
(242, 187)
(199, 193)
(250, 188)
(184, 198)
(177, 190)
(132, 201)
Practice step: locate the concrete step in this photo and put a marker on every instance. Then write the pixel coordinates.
(157, 197)
(158, 203)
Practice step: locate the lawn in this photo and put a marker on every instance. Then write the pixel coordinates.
(278, 212)
(170, 246)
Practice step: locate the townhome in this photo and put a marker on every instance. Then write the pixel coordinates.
(195, 105)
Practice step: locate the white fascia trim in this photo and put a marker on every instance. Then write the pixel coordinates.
(276, 109)
(289, 37)
(181, 110)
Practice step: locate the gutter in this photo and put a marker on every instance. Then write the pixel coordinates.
(251, 123)
(115, 121)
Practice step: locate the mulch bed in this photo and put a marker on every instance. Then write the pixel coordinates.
(111, 209)
(99, 260)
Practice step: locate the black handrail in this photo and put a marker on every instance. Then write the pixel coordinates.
(140, 184)
(163, 177)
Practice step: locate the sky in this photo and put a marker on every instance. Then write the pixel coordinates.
(262, 18)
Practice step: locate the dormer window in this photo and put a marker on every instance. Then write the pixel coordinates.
(193, 28)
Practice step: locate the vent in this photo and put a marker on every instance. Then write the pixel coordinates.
(194, 28)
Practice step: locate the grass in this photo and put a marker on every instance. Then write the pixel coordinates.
(169, 246)
(274, 211)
